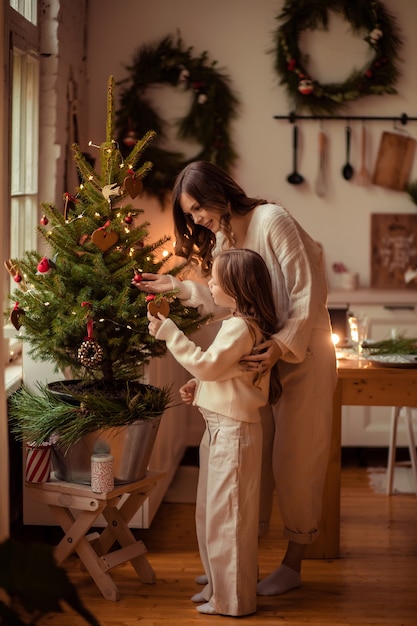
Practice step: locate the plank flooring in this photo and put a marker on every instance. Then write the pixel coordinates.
(374, 583)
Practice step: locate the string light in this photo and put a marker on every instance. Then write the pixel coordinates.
(94, 145)
(118, 326)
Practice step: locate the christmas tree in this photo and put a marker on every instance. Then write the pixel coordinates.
(76, 306)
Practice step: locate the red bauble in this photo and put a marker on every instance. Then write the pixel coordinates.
(128, 219)
(44, 220)
(17, 278)
(138, 278)
(150, 296)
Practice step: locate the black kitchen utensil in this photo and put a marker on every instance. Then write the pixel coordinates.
(295, 178)
(347, 170)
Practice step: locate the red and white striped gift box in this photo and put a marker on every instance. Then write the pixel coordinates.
(38, 463)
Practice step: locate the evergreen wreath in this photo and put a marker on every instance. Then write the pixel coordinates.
(207, 122)
(376, 78)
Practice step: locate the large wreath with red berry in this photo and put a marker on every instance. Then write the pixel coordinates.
(213, 106)
(377, 77)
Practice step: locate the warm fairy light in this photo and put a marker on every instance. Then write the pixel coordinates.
(148, 258)
(81, 186)
(121, 165)
(108, 150)
(131, 251)
(96, 214)
(90, 177)
(127, 230)
(94, 145)
(118, 215)
(165, 253)
(335, 339)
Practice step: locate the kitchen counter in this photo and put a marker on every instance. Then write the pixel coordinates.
(372, 296)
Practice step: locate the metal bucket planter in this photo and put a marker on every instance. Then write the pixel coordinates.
(131, 447)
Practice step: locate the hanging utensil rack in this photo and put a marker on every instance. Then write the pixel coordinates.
(293, 117)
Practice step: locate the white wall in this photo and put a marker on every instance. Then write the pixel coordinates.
(238, 34)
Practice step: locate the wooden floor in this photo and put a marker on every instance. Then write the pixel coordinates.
(373, 583)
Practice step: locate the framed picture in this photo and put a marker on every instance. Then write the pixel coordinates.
(394, 250)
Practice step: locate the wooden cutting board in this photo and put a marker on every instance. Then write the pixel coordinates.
(394, 161)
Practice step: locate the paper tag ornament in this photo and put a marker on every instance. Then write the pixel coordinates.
(133, 186)
(158, 305)
(104, 239)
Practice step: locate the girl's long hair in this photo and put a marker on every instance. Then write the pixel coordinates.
(212, 188)
(243, 275)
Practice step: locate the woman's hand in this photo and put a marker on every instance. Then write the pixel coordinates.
(154, 283)
(155, 323)
(263, 357)
(187, 392)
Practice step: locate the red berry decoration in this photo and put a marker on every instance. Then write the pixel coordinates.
(150, 297)
(44, 220)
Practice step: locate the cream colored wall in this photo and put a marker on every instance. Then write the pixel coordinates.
(238, 34)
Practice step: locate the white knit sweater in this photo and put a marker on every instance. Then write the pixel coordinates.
(295, 262)
(222, 385)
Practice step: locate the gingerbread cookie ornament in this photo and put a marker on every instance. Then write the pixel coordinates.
(158, 305)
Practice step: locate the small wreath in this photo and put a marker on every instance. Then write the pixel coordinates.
(375, 78)
(90, 354)
(208, 120)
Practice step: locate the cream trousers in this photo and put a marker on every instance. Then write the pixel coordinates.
(226, 518)
(297, 434)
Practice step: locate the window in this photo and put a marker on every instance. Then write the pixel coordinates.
(22, 141)
(24, 152)
(27, 8)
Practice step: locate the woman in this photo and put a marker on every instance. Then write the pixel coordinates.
(211, 213)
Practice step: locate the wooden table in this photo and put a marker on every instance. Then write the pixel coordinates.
(117, 508)
(360, 383)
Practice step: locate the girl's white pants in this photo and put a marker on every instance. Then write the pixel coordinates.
(227, 514)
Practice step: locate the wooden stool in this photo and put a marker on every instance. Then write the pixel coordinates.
(396, 412)
(117, 508)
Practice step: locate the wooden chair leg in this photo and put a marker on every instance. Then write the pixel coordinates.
(392, 449)
(411, 443)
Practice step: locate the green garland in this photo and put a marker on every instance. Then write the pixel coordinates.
(376, 78)
(207, 122)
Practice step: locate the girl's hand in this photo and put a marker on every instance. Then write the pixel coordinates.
(154, 283)
(263, 357)
(155, 323)
(187, 392)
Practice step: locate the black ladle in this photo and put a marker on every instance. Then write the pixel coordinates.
(295, 178)
(347, 170)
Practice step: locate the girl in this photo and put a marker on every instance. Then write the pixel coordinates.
(229, 398)
(212, 212)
